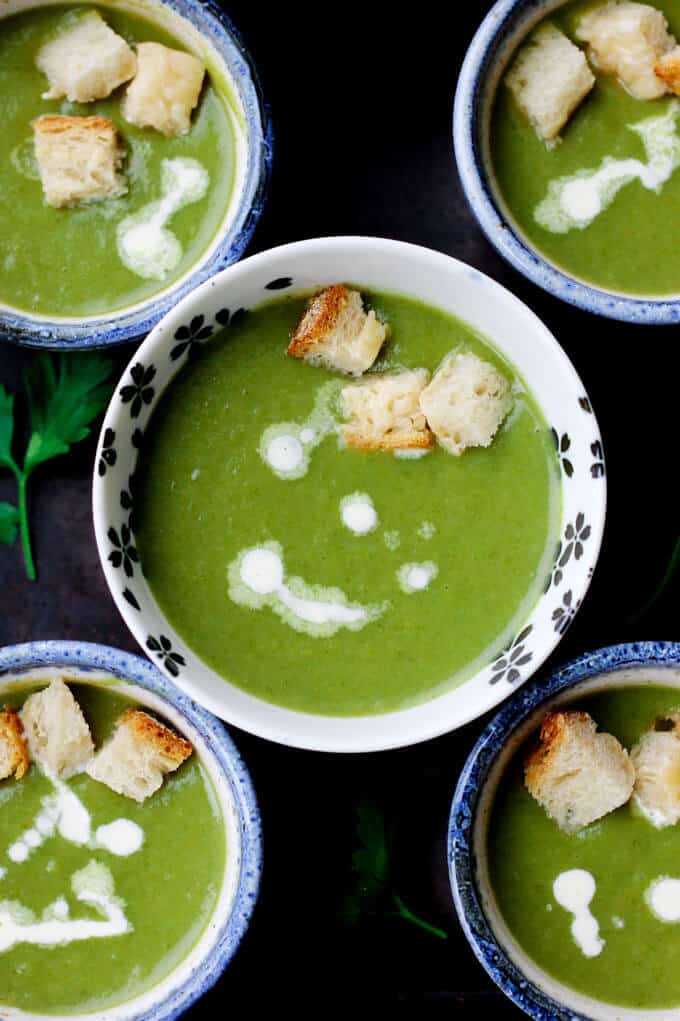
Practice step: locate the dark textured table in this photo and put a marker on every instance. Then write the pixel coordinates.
(361, 97)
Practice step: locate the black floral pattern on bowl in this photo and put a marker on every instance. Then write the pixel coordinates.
(575, 536)
(562, 445)
(127, 499)
(191, 337)
(124, 554)
(563, 615)
(279, 284)
(162, 648)
(108, 456)
(131, 598)
(139, 392)
(226, 318)
(597, 467)
(585, 405)
(515, 656)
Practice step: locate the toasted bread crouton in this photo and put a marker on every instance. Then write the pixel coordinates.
(142, 750)
(577, 774)
(466, 402)
(79, 159)
(656, 758)
(337, 333)
(627, 39)
(86, 61)
(164, 91)
(384, 413)
(549, 77)
(667, 68)
(14, 759)
(56, 731)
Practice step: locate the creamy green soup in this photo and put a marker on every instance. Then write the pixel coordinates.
(66, 262)
(427, 566)
(625, 854)
(628, 247)
(162, 894)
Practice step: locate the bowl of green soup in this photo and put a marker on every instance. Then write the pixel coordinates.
(565, 134)
(347, 586)
(136, 159)
(576, 916)
(131, 842)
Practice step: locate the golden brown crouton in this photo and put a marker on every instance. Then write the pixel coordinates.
(575, 773)
(384, 413)
(165, 89)
(79, 159)
(86, 61)
(14, 759)
(667, 68)
(656, 758)
(56, 731)
(337, 333)
(135, 760)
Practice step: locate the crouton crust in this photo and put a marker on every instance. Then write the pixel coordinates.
(14, 742)
(391, 441)
(56, 124)
(384, 413)
(320, 316)
(667, 68)
(553, 729)
(147, 728)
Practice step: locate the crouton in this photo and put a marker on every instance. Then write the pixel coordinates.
(337, 333)
(656, 759)
(164, 91)
(56, 731)
(14, 759)
(549, 77)
(667, 68)
(466, 402)
(86, 61)
(135, 760)
(384, 413)
(627, 39)
(576, 774)
(79, 159)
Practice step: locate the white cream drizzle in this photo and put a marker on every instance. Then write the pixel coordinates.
(573, 202)
(416, 577)
(427, 530)
(145, 245)
(358, 513)
(257, 580)
(663, 899)
(286, 447)
(574, 890)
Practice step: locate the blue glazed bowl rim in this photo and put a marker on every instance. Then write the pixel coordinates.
(137, 670)
(125, 326)
(497, 26)
(460, 838)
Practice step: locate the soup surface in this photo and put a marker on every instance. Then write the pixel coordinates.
(433, 563)
(166, 890)
(627, 247)
(625, 854)
(66, 262)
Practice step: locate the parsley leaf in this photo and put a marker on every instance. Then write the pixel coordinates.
(65, 394)
(372, 892)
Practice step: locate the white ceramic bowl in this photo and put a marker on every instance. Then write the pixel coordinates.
(440, 281)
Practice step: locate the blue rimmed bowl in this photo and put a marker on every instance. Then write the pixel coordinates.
(204, 28)
(86, 662)
(538, 994)
(500, 33)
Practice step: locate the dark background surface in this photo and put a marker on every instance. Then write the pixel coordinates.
(361, 97)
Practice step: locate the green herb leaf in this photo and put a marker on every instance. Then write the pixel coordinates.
(9, 523)
(64, 396)
(6, 429)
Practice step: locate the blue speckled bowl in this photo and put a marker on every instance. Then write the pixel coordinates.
(140, 680)
(537, 993)
(495, 41)
(201, 24)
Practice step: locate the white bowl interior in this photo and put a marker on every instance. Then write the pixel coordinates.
(511, 328)
(584, 1005)
(140, 1005)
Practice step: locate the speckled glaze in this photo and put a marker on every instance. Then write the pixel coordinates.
(540, 996)
(141, 681)
(497, 37)
(436, 279)
(125, 325)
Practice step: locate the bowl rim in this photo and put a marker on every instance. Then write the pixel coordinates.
(285, 725)
(495, 223)
(461, 855)
(130, 324)
(136, 670)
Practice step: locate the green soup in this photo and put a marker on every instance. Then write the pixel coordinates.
(478, 529)
(628, 247)
(637, 966)
(168, 889)
(65, 262)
